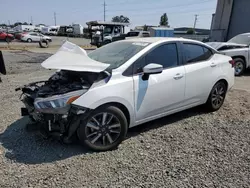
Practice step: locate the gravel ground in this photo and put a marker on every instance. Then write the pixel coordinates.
(56, 41)
(188, 149)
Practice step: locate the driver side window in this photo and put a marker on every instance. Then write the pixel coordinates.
(165, 55)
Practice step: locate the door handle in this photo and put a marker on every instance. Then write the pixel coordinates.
(178, 76)
(213, 65)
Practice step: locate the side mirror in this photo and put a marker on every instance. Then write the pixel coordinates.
(151, 68)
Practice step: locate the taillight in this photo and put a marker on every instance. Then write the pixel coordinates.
(232, 62)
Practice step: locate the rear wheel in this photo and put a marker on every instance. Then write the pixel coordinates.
(240, 66)
(29, 40)
(216, 97)
(104, 129)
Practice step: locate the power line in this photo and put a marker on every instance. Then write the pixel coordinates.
(55, 17)
(104, 10)
(195, 21)
(161, 7)
(171, 13)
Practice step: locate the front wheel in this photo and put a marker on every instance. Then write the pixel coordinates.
(216, 97)
(104, 129)
(8, 39)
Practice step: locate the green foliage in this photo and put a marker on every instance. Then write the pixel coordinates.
(164, 20)
(122, 19)
(145, 28)
(190, 31)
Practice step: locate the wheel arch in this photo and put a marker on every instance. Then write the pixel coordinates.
(241, 57)
(219, 80)
(122, 107)
(224, 81)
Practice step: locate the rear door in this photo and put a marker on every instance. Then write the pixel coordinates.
(35, 37)
(201, 72)
(162, 92)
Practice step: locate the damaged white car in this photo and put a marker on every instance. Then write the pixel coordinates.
(238, 48)
(98, 96)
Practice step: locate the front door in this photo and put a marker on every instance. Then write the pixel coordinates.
(161, 92)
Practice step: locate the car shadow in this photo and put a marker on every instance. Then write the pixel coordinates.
(246, 73)
(167, 120)
(30, 148)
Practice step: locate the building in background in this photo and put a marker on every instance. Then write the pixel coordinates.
(184, 31)
(161, 32)
(231, 18)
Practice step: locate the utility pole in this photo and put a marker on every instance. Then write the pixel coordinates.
(195, 21)
(31, 20)
(104, 10)
(9, 22)
(55, 17)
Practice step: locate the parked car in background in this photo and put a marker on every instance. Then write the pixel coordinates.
(138, 34)
(52, 30)
(238, 48)
(6, 36)
(18, 35)
(34, 37)
(123, 84)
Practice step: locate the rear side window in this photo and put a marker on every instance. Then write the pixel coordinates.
(195, 53)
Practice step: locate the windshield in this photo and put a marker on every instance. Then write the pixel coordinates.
(241, 39)
(117, 53)
(107, 30)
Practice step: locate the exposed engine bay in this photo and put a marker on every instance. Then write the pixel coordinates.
(48, 103)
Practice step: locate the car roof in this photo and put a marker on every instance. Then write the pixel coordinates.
(162, 39)
(244, 34)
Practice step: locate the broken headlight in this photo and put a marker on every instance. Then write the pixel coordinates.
(58, 101)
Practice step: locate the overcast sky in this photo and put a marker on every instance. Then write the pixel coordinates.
(180, 12)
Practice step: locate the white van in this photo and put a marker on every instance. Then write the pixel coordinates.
(52, 30)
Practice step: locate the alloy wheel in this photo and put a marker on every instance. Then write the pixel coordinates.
(218, 95)
(239, 67)
(103, 129)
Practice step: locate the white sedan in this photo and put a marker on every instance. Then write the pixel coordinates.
(125, 84)
(34, 37)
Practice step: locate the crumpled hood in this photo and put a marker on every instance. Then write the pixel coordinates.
(217, 45)
(74, 58)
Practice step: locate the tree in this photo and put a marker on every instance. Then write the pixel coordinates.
(122, 19)
(25, 23)
(190, 31)
(164, 20)
(145, 28)
(17, 23)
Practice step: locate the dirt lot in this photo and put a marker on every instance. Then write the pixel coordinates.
(56, 41)
(188, 149)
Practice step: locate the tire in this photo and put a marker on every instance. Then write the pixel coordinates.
(106, 42)
(101, 136)
(218, 93)
(8, 39)
(29, 40)
(240, 66)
